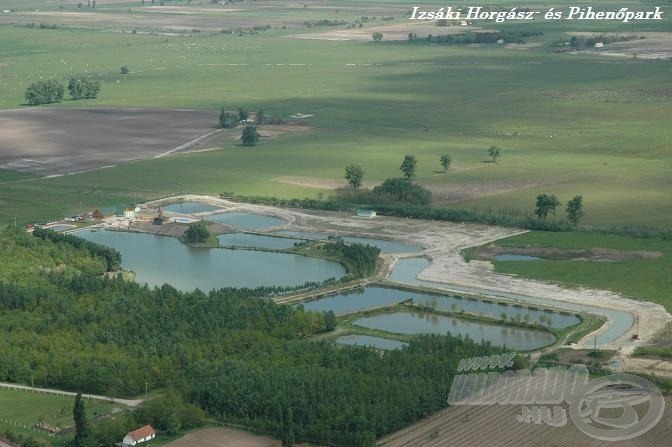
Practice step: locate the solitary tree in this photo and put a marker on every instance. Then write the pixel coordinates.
(446, 160)
(377, 36)
(330, 320)
(260, 116)
(354, 175)
(82, 436)
(575, 210)
(243, 114)
(250, 136)
(227, 120)
(123, 70)
(494, 152)
(408, 166)
(545, 204)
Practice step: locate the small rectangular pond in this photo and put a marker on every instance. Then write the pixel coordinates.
(372, 297)
(249, 221)
(367, 340)
(427, 323)
(189, 208)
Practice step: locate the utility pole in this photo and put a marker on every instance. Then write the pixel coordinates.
(32, 384)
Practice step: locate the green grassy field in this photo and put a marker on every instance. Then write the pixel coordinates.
(26, 409)
(643, 279)
(567, 124)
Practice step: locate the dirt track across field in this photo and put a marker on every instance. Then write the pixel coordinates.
(55, 141)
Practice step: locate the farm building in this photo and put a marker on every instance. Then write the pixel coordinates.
(369, 214)
(138, 436)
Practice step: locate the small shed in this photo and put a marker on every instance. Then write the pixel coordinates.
(368, 214)
(142, 434)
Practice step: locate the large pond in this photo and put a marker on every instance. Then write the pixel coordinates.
(256, 241)
(248, 221)
(372, 297)
(162, 259)
(421, 323)
(407, 270)
(367, 340)
(190, 208)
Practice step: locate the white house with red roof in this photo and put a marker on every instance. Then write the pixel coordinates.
(142, 434)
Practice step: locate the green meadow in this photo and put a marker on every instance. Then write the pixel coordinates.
(567, 124)
(649, 279)
(19, 409)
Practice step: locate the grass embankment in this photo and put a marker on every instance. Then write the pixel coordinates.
(648, 279)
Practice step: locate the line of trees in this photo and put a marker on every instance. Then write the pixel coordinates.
(547, 203)
(51, 91)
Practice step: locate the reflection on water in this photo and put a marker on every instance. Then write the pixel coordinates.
(189, 208)
(372, 297)
(162, 259)
(256, 241)
(248, 221)
(430, 323)
(367, 340)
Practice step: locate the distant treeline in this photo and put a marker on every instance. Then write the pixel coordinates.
(480, 37)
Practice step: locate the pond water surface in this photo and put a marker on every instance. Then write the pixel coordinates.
(256, 241)
(372, 297)
(189, 208)
(162, 259)
(249, 221)
(427, 323)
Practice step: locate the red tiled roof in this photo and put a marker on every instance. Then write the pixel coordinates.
(141, 432)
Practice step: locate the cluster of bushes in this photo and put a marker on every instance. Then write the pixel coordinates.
(50, 91)
(361, 259)
(590, 41)
(197, 233)
(83, 88)
(41, 25)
